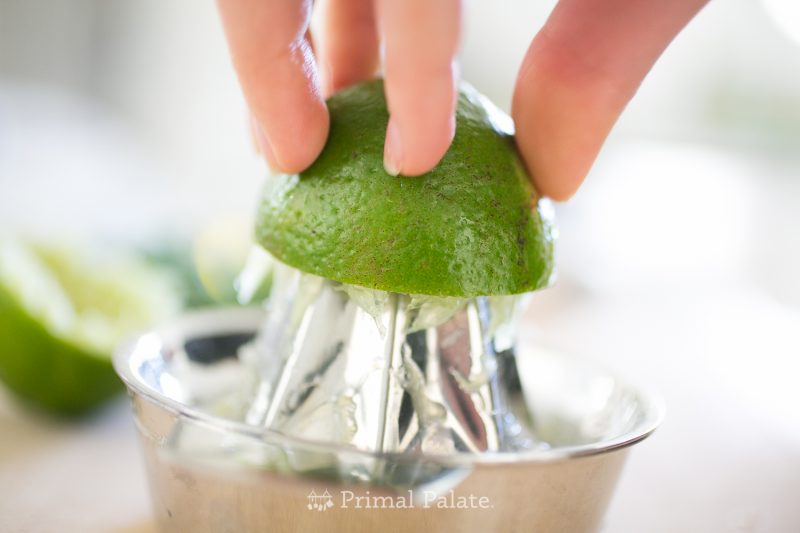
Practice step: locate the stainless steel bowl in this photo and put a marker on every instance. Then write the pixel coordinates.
(209, 471)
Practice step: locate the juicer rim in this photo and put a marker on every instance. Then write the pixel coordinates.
(247, 320)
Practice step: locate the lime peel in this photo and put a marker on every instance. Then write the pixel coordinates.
(62, 312)
(473, 226)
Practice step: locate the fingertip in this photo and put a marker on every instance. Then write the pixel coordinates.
(558, 189)
(273, 56)
(420, 41)
(262, 144)
(425, 156)
(422, 121)
(562, 116)
(556, 167)
(294, 150)
(577, 77)
(301, 151)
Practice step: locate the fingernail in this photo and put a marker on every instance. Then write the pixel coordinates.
(393, 150)
(264, 147)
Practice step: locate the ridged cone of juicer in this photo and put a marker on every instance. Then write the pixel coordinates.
(387, 372)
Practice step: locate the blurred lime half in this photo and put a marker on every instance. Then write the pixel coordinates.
(62, 312)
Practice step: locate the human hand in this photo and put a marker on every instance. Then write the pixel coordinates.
(577, 76)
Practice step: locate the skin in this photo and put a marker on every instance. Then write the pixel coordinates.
(579, 73)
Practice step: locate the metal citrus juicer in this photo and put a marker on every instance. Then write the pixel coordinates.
(388, 372)
(367, 403)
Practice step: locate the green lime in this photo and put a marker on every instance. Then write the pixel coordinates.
(62, 312)
(472, 226)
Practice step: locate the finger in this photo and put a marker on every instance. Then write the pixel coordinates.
(273, 60)
(420, 39)
(579, 73)
(348, 43)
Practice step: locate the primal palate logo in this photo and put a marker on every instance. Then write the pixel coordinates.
(409, 500)
(319, 502)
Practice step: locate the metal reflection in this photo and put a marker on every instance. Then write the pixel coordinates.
(385, 372)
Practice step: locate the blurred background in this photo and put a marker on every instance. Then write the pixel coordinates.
(679, 259)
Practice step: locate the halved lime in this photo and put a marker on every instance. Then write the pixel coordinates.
(62, 312)
(472, 226)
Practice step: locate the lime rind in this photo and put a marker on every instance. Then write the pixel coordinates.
(473, 226)
(62, 311)
(45, 371)
(89, 299)
(28, 281)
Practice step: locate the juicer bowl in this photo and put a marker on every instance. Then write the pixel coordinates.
(210, 471)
